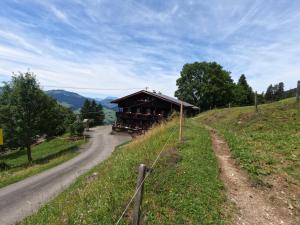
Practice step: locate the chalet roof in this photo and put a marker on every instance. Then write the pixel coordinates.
(157, 95)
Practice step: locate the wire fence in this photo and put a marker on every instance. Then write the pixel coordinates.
(147, 175)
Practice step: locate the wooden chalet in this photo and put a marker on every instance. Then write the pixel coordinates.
(140, 110)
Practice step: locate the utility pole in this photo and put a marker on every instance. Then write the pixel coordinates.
(139, 195)
(1, 137)
(255, 102)
(298, 92)
(180, 121)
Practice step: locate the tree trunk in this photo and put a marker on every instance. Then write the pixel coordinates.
(29, 153)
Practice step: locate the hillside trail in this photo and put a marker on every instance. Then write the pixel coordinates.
(252, 204)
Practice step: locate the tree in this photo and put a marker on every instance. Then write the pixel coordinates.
(243, 94)
(92, 110)
(275, 93)
(97, 113)
(205, 84)
(280, 91)
(26, 112)
(77, 128)
(269, 96)
(86, 109)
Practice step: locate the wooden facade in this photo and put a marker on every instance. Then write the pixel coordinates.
(140, 110)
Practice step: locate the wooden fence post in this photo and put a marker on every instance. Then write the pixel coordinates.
(298, 92)
(180, 121)
(139, 196)
(255, 102)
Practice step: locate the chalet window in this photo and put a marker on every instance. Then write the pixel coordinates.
(138, 110)
(148, 111)
(129, 109)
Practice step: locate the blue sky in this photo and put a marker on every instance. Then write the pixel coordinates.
(119, 44)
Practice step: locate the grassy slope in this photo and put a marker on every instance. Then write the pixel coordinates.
(267, 143)
(45, 156)
(184, 188)
(110, 115)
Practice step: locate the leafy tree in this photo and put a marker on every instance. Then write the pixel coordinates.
(26, 113)
(205, 84)
(77, 128)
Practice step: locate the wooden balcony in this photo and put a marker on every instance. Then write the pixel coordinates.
(139, 116)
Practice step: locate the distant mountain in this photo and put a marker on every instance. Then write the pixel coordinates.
(106, 103)
(75, 101)
(67, 98)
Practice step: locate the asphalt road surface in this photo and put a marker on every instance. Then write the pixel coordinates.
(23, 198)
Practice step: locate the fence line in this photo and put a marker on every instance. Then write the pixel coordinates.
(151, 168)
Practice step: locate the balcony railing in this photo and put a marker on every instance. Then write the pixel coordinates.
(139, 116)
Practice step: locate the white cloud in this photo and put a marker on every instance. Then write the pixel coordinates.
(129, 44)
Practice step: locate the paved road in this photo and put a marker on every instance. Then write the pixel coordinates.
(25, 197)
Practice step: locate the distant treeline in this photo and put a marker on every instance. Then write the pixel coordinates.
(207, 85)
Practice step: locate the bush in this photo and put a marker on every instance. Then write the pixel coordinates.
(77, 128)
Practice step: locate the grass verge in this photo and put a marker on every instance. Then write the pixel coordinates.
(184, 187)
(45, 156)
(266, 144)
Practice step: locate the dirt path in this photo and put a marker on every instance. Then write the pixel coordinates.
(253, 205)
(23, 198)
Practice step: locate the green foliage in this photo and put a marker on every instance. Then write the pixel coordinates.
(26, 113)
(92, 110)
(243, 94)
(280, 91)
(184, 187)
(206, 85)
(77, 128)
(275, 93)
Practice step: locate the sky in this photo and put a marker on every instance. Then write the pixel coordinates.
(120, 46)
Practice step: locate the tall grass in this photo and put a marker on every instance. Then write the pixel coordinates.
(183, 188)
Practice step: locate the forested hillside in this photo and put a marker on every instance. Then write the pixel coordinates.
(76, 101)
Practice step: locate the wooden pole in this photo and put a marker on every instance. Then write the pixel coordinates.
(180, 121)
(298, 92)
(255, 101)
(139, 196)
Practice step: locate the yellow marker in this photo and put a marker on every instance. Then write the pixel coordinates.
(1, 136)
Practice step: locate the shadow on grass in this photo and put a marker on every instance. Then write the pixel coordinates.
(13, 155)
(53, 156)
(42, 160)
